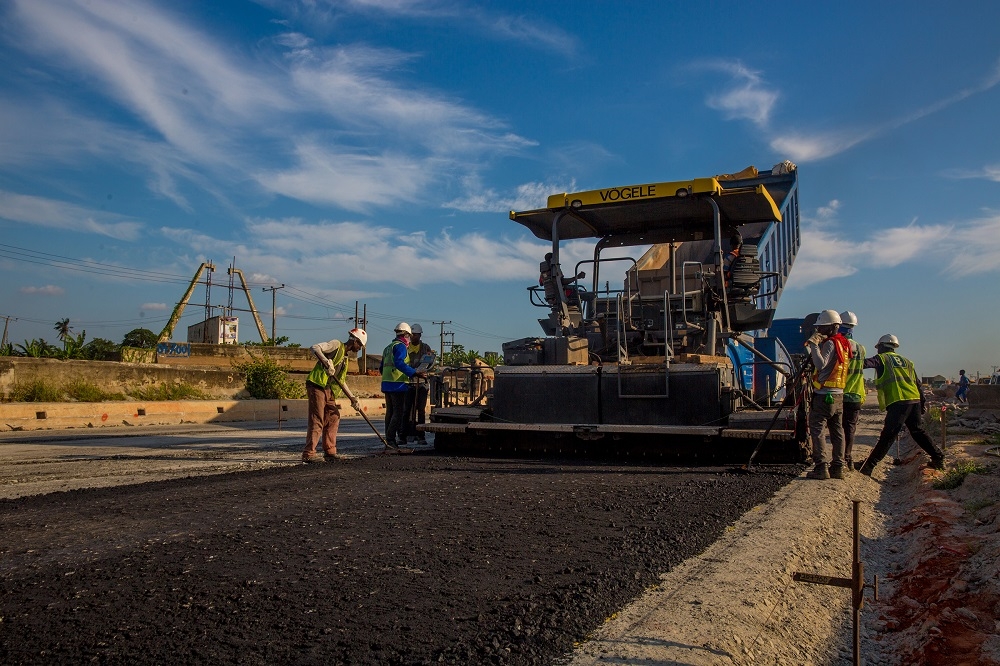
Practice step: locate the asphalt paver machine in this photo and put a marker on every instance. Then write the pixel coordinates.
(663, 350)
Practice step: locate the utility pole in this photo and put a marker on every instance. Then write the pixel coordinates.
(362, 323)
(272, 290)
(6, 321)
(364, 348)
(444, 333)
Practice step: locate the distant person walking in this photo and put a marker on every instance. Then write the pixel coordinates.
(830, 353)
(900, 396)
(963, 388)
(854, 389)
(323, 388)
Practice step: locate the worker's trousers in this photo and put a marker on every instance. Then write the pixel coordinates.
(829, 415)
(852, 411)
(897, 415)
(395, 417)
(324, 419)
(415, 408)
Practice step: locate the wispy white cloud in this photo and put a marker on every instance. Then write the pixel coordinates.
(350, 181)
(532, 32)
(171, 76)
(194, 113)
(804, 146)
(897, 245)
(153, 306)
(988, 172)
(527, 196)
(976, 246)
(55, 214)
(47, 290)
(362, 258)
(745, 96)
(964, 248)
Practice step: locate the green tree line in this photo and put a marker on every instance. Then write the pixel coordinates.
(75, 346)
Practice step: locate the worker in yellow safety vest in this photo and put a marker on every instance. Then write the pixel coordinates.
(325, 384)
(830, 353)
(900, 396)
(415, 406)
(396, 375)
(854, 389)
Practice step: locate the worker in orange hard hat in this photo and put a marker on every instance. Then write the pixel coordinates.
(325, 384)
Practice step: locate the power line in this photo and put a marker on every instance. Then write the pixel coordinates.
(85, 266)
(26, 255)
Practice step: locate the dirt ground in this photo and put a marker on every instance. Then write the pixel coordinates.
(425, 559)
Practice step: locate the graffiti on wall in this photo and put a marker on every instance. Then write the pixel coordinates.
(173, 349)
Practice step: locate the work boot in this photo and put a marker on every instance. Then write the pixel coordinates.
(866, 469)
(332, 457)
(819, 472)
(937, 463)
(836, 471)
(314, 458)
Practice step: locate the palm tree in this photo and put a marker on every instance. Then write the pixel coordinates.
(63, 328)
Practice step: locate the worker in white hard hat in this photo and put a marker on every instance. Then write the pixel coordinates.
(830, 353)
(396, 375)
(854, 390)
(899, 394)
(325, 384)
(415, 406)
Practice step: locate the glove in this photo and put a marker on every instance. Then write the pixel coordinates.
(355, 404)
(815, 338)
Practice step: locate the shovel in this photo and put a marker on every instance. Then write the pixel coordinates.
(388, 447)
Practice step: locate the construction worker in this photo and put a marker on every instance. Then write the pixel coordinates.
(325, 384)
(396, 375)
(830, 353)
(416, 395)
(735, 246)
(900, 396)
(854, 390)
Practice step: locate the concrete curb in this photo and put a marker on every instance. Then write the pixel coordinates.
(23, 416)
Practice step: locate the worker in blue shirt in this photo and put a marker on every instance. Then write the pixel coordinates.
(396, 374)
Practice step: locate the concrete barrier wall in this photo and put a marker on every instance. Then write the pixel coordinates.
(223, 356)
(984, 396)
(114, 377)
(17, 416)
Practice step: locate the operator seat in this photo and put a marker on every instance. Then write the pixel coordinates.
(745, 276)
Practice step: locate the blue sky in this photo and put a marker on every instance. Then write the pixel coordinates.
(370, 150)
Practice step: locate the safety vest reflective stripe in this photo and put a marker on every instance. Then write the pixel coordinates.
(838, 375)
(320, 377)
(855, 373)
(390, 373)
(897, 382)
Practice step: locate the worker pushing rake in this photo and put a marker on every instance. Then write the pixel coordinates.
(325, 384)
